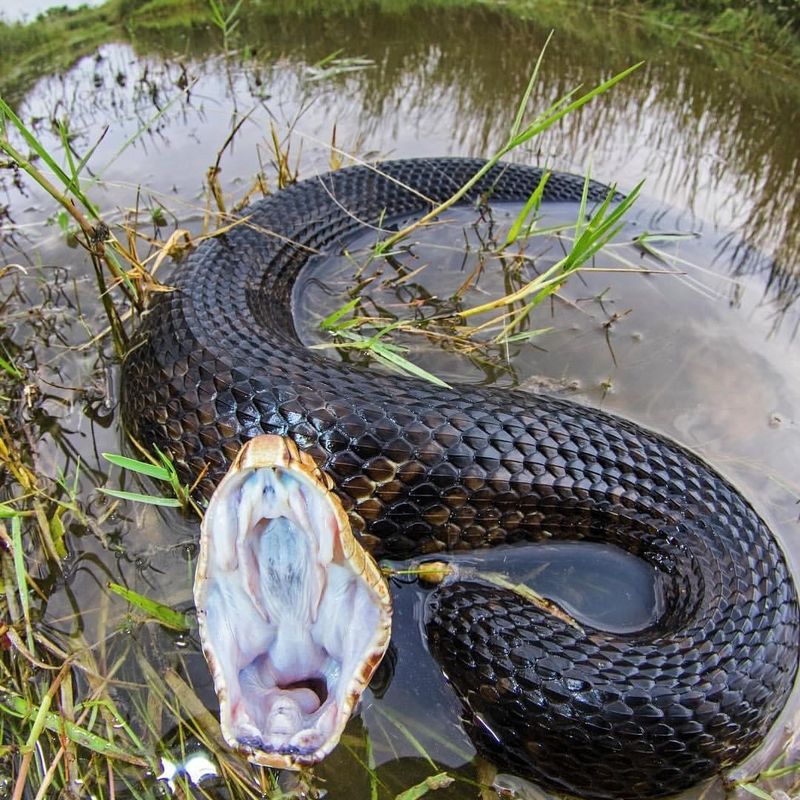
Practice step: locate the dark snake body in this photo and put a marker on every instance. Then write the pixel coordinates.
(422, 469)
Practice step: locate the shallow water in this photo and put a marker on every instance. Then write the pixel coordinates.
(707, 356)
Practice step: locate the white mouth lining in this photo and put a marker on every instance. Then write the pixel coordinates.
(290, 626)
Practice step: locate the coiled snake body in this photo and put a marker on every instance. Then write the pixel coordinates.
(422, 469)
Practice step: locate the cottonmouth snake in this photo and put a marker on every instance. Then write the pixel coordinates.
(422, 469)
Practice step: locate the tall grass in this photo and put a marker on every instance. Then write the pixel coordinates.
(589, 238)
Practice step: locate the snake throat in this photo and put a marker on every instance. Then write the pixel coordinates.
(293, 616)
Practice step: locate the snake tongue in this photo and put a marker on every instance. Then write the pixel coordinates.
(294, 616)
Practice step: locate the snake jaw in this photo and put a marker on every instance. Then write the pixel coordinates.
(294, 616)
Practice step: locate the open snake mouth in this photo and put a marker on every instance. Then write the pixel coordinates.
(294, 616)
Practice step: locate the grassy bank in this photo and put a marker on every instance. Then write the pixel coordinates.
(769, 29)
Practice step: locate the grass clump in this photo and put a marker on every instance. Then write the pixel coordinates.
(591, 234)
(50, 43)
(765, 27)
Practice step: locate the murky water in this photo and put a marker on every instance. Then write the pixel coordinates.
(707, 356)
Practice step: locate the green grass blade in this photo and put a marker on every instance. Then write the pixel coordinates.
(10, 369)
(647, 237)
(234, 11)
(645, 242)
(755, 790)
(523, 103)
(167, 616)
(39, 722)
(63, 134)
(374, 784)
(531, 205)
(140, 467)
(21, 576)
(393, 359)
(602, 227)
(411, 739)
(216, 14)
(136, 497)
(525, 336)
(581, 220)
(6, 511)
(329, 323)
(85, 160)
(325, 60)
(31, 141)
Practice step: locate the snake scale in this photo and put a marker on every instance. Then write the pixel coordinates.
(422, 469)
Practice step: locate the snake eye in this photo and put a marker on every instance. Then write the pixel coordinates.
(294, 616)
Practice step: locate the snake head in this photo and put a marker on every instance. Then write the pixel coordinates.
(294, 616)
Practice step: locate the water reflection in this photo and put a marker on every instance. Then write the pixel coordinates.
(695, 128)
(719, 138)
